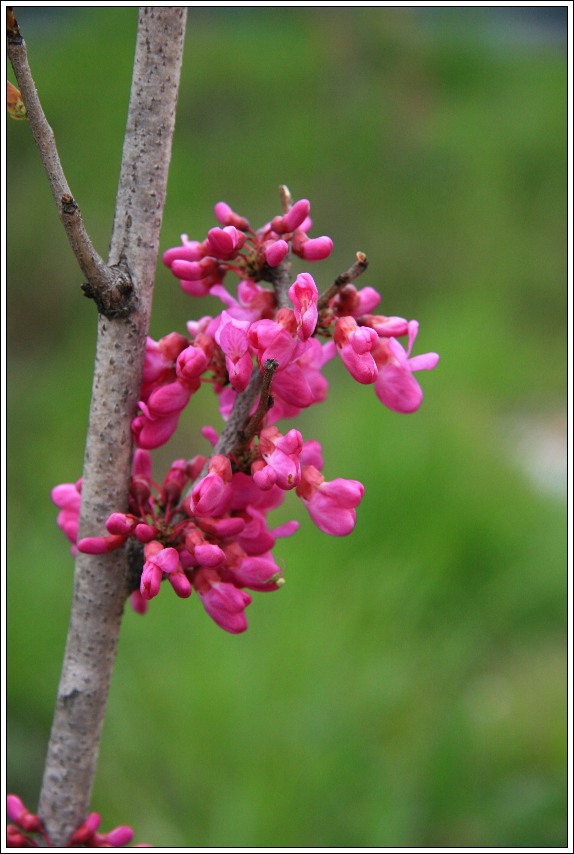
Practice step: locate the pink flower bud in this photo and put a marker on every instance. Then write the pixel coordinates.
(181, 584)
(121, 523)
(192, 250)
(117, 837)
(331, 504)
(142, 464)
(304, 295)
(225, 243)
(386, 327)
(297, 214)
(395, 385)
(274, 251)
(138, 603)
(85, 832)
(224, 603)
(194, 270)
(226, 216)
(311, 248)
(167, 400)
(101, 545)
(212, 495)
(150, 581)
(208, 554)
(354, 344)
(145, 533)
(66, 495)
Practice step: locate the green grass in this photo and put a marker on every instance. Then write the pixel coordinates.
(407, 685)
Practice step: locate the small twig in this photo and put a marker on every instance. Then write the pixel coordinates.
(110, 287)
(265, 403)
(280, 276)
(343, 279)
(286, 198)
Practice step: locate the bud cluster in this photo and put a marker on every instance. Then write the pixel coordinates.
(205, 527)
(28, 831)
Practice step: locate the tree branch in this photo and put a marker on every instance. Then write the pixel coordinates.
(102, 581)
(110, 288)
(343, 279)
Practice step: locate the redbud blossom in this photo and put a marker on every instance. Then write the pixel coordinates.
(293, 219)
(354, 344)
(225, 242)
(304, 295)
(331, 504)
(231, 336)
(224, 602)
(395, 385)
(226, 216)
(210, 532)
(311, 248)
(275, 251)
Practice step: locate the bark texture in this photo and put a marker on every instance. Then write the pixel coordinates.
(101, 582)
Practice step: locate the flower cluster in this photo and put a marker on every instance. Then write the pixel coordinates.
(205, 528)
(28, 831)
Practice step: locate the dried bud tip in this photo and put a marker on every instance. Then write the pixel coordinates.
(14, 102)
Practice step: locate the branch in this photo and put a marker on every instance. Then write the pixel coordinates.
(280, 276)
(110, 288)
(102, 581)
(343, 279)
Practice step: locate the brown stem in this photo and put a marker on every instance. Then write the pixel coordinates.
(280, 276)
(101, 582)
(110, 288)
(343, 279)
(265, 402)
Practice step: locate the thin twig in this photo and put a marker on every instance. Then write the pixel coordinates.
(343, 279)
(111, 288)
(280, 276)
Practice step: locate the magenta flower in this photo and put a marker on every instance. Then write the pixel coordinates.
(280, 459)
(395, 385)
(226, 216)
(225, 242)
(331, 504)
(212, 495)
(224, 602)
(354, 345)
(304, 295)
(231, 336)
(311, 248)
(293, 219)
(275, 251)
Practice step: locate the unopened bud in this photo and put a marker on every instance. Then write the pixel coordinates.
(14, 102)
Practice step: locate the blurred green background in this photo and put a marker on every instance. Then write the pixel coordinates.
(407, 685)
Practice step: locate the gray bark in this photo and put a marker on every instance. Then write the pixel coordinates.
(101, 581)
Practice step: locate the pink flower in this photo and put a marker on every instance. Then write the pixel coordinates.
(190, 365)
(226, 216)
(231, 336)
(293, 219)
(386, 327)
(226, 242)
(354, 345)
(212, 495)
(395, 385)
(257, 573)
(311, 248)
(274, 251)
(280, 459)
(224, 602)
(271, 340)
(331, 504)
(304, 295)
(159, 560)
